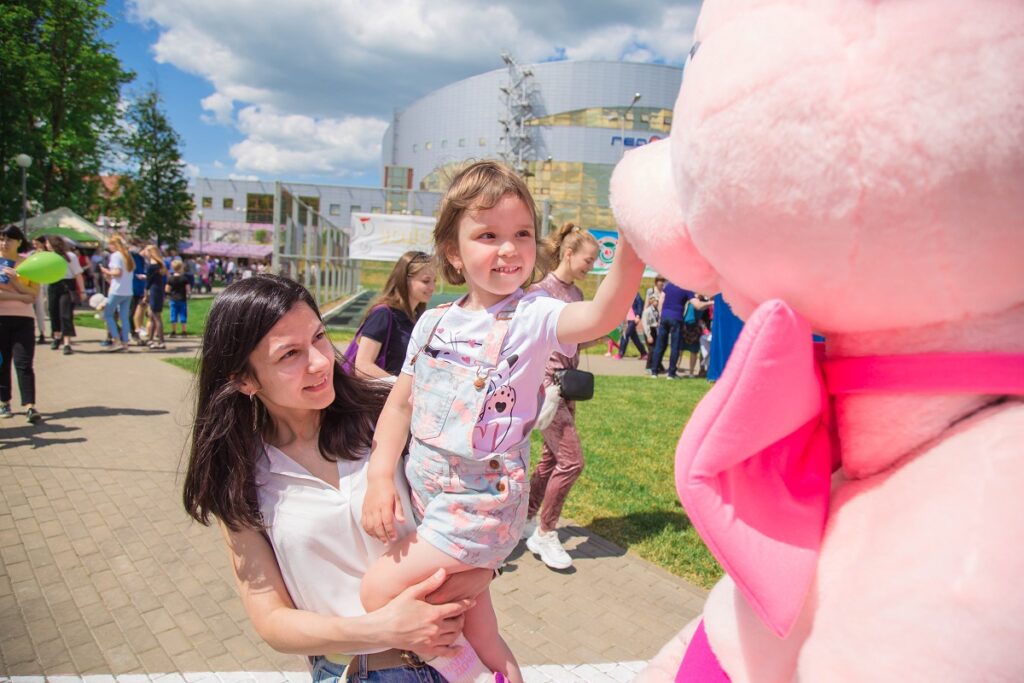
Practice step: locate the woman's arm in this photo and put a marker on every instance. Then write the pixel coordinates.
(408, 622)
(382, 506)
(20, 285)
(366, 358)
(583, 321)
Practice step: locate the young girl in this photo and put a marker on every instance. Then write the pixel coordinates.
(561, 462)
(156, 282)
(474, 373)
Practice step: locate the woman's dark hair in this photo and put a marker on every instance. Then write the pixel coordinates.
(57, 244)
(13, 232)
(229, 426)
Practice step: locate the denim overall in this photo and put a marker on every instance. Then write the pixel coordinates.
(470, 507)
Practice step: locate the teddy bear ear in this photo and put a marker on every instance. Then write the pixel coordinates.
(647, 209)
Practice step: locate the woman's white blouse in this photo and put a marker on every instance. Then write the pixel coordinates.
(315, 530)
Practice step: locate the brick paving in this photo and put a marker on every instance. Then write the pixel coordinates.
(102, 573)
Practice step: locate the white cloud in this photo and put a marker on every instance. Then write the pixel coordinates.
(191, 170)
(293, 143)
(220, 105)
(218, 164)
(328, 73)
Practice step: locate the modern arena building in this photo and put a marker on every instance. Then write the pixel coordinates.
(563, 125)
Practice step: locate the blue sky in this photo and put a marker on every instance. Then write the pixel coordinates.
(302, 91)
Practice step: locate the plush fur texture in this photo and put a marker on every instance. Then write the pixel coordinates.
(864, 162)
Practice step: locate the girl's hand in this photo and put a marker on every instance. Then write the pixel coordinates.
(381, 508)
(429, 630)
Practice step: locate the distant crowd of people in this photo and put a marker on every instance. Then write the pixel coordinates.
(130, 280)
(668, 318)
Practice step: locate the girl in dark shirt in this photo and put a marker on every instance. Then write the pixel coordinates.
(389, 321)
(156, 280)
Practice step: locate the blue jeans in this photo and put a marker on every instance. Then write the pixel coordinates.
(631, 335)
(668, 335)
(325, 671)
(121, 303)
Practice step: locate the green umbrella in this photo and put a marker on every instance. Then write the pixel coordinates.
(83, 239)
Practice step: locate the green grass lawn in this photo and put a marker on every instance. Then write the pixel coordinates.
(627, 491)
(198, 310)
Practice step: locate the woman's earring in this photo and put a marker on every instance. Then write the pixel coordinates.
(255, 412)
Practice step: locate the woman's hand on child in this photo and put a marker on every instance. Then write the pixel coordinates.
(429, 630)
(381, 508)
(461, 585)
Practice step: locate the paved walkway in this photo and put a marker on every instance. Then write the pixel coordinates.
(102, 573)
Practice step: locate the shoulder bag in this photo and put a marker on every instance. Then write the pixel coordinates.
(348, 360)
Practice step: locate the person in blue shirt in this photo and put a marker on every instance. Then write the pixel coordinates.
(138, 313)
(669, 328)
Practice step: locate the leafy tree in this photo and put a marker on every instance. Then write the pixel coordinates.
(156, 197)
(59, 91)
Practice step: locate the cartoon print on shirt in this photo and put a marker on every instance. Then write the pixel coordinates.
(448, 346)
(495, 420)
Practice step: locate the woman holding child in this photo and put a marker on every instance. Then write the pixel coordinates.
(320, 537)
(278, 458)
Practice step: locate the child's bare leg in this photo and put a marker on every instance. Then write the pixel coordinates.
(407, 562)
(481, 630)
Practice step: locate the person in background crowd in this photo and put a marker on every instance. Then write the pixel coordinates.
(230, 269)
(156, 281)
(391, 317)
(657, 290)
(180, 291)
(97, 260)
(121, 275)
(17, 338)
(63, 296)
(649, 320)
(630, 333)
(672, 304)
(138, 308)
(205, 274)
(39, 305)
(561, 461)
(696, 319)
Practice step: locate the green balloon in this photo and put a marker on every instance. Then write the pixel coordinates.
(44, 267)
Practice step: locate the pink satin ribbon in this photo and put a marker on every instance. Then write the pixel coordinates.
(754, 464)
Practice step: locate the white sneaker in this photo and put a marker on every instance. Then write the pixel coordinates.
(528, 529)
(549, 548)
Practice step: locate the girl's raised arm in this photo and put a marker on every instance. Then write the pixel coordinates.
(584, 321)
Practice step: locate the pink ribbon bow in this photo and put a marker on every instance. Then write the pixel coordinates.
(754, 464)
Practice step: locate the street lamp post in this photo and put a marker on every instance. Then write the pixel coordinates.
(24, 161)
(622, 122)
(199, 215)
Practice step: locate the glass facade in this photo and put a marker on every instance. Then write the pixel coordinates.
(259, 208)
(639, 118)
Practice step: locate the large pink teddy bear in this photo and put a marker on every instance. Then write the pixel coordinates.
(855, 168)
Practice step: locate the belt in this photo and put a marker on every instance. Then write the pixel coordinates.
(389, 659)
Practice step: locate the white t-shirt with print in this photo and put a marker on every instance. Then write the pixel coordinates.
(514, 388)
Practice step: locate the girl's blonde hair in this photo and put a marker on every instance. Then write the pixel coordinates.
(396, 290)
(480, 185)
(569, 237)
(152, 252)
(117, 242)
